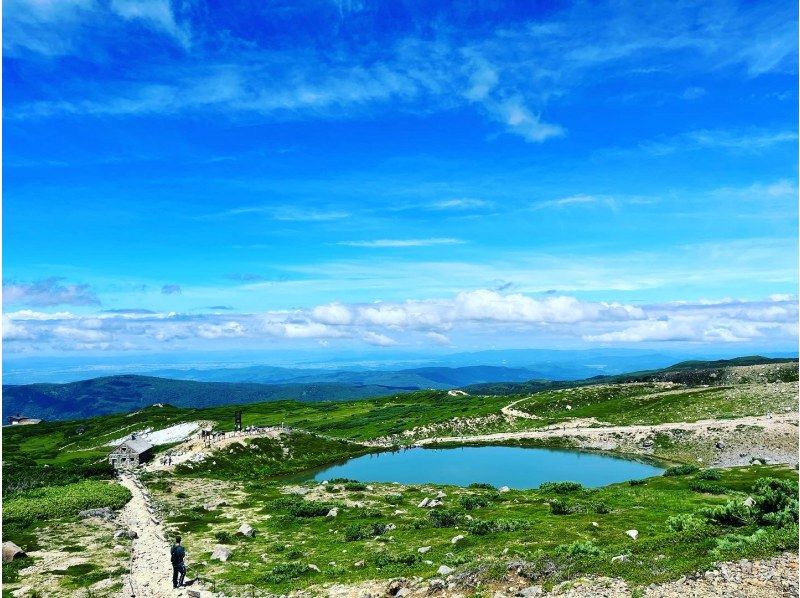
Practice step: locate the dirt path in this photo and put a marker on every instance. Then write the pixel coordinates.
(511, 412)
(782, 429)
(151, 572)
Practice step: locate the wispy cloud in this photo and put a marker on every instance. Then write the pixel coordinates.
(381, 243)
(171, 289)
(576, 200)
(291, 213)
(48, 292)
(460, 204)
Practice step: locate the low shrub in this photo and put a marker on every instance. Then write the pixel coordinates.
(224, 537)
(360, 532)
(481, 486)
(51, 502)
(684, 522)
(734, 513)
(709, 474)
(579, 548)
(473, 502)
(775, 500)
(479, 527)
(445, 517)
(285, 571)
(299, 507)
(559, 507)
(560, 487)
(393, 499)
(355, 486)
(601, 508)
(637, 482)
(706, 487)
(681, 470)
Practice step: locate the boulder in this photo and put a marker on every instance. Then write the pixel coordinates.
(11, 551)
(632, 533)
(436, 585)
(424, 503)
(334, 512)
(132, 534)
(119, 533)
(403, 592)
(395, 586)
(221, 553)
(444, 570)
(246, 530)
(313, 567)
(457, 539)
(358, 564)
(595, 524)
(530, 591)
(435, 503)
(749, 502)
(440, 494)
(620, 558)
(423, 549)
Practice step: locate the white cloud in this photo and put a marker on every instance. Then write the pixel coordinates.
(379, 340)
(460, 204)
(477, 313)
(383, 243)
(156, 13)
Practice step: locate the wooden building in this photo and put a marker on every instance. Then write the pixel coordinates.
(130, 453)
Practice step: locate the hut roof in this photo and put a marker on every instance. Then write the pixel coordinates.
(137, 445)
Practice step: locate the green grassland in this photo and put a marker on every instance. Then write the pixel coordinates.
(380, 527)
(54, 469)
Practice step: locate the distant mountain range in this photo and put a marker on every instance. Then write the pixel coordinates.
(119, 394)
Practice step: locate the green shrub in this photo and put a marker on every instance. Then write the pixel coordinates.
(579, 548)
(360, 532)
(734, 513)
(393, 499)
(299, 507)
(559, 507)
(445, 517)
(355, 486)
(51, 502)
(224, 537)
(684, 522)
(560, 487)
(482, 527)
(285, 571)
(772, 495)
(709, 474)
(473, 502)
(481, 486)
(384, 559)
(706, 487)
(681, 470)
(637, 482)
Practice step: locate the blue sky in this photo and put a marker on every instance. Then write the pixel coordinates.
(191, 176)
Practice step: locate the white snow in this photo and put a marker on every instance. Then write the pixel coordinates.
(175, 433)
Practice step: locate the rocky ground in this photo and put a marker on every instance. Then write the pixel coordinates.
(743, 579)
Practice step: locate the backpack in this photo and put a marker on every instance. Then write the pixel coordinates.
(177, 552)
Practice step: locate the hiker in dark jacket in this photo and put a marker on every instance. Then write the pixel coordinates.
(177, 553)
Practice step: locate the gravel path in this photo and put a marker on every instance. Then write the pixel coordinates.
(151, 571)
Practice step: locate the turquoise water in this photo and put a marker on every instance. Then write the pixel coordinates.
(497, 465)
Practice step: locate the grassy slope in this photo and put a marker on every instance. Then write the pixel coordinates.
(57, 444)
(285, 543)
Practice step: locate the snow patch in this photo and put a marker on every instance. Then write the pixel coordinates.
(176, 433)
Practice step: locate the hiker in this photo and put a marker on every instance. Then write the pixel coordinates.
(178, 552)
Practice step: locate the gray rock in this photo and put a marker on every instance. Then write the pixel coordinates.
(334, 512)
(530, 591)
(132, 534)
(444, 570)
(246, 530)
(221, 553)
(102, 513)
(423, 549)
(11, 551)
(457, 539)
(620, 558)
(436, 585)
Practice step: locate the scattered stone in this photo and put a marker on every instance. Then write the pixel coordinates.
(424, 503)
(632, 533)
(334, 512)
(199, 594)
(132, 534)
(221, 553)
(423, 550)
(11, 551)
(403, 592)
(435, 503)
(246, 530)
(358, 564)
(457, 539)
(595, 524)
(313, 567)
(530, 591)
(749, 502)
(119, 533)
(440, 494)
(444, 570)
(103, 513)
(436, 585)
(395, 586)
(620, 558)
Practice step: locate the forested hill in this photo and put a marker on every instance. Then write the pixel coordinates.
(119, 394)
